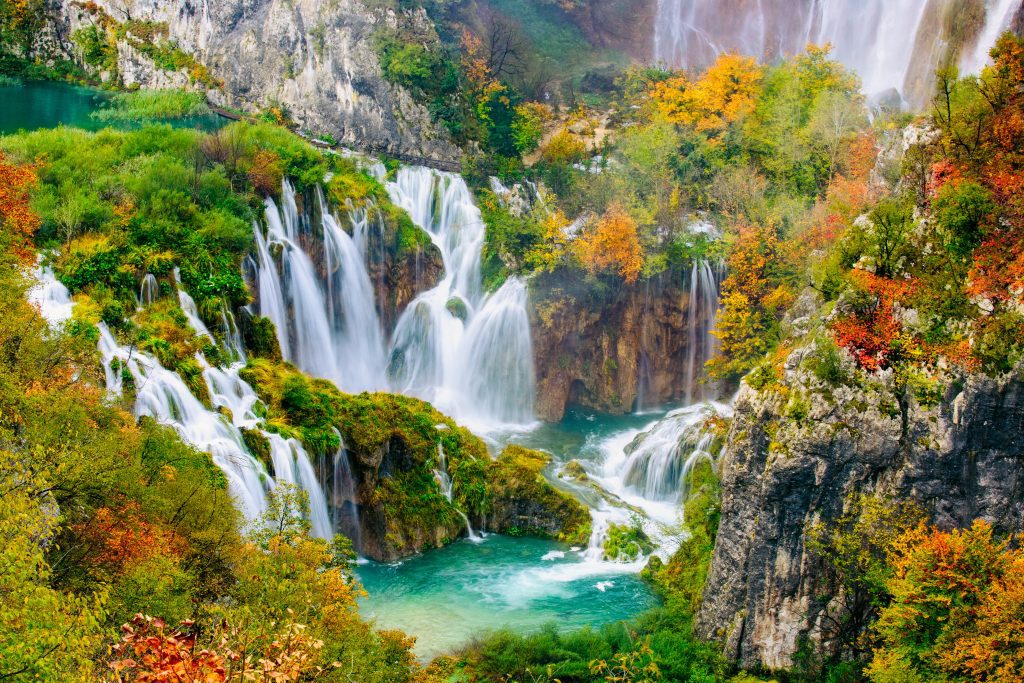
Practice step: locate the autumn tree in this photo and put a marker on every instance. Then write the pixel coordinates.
(17, 218)
(754, 294)
(613, 244)
(725, 92)
(956, 608)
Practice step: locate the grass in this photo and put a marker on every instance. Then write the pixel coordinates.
(153, 105)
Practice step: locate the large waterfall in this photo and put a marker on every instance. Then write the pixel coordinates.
(891, 44)
(466, 351)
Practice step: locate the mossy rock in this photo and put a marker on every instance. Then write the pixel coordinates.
(260, 337)
(457, 307)
(523, 500)
(574, 470)
(259, 446)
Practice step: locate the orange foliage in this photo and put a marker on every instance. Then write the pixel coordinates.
(874, 335)
(614, 244)
(124, 538)
(16, 215)
(149, 654)
(957, 605)
(725, 93)
(265, 172)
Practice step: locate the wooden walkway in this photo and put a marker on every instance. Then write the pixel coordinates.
(448, 165)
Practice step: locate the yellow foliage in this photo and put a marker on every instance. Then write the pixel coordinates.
(614, 244)
(725, 93)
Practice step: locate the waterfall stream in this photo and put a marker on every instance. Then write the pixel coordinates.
(891, 44)
(467, 352)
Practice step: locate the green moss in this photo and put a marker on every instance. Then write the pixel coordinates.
(516, 481)
(259, 446)
(261, 338)
(626, 542)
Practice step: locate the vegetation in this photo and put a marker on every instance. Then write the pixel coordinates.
(523, 502)
(150, 105)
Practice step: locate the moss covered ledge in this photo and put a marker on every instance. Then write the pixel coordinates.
(523, 502)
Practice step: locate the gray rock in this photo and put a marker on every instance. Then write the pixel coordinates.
(961, 460)
(314, 57)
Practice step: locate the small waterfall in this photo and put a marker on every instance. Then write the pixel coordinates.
(702, 312)
(659, 461)
(149, 290)
(51, 297)
(188, 306)
(444, 482)
(345, 498)
(879, 39)
(232, 335)
(292, 465)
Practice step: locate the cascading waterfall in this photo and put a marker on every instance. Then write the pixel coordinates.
(468, 352)
(345, 497)
(659, 461)
(701, 316)
(163, 395)
(879, 39)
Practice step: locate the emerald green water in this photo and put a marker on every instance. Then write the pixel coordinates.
(41, 104)
(448, 597)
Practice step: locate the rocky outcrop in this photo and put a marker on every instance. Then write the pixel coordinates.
(610, 347)
(312, 58)
(798, 450)
(523, 502)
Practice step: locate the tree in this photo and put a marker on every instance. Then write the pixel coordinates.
(16, 215)
(528, 125)
(835, 118)
(613, 244)
(892, 220)
(956, 607)
(726, 92)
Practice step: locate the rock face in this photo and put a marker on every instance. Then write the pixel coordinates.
(612, 347)
(314, 58)
(400, 274)
(794, 456)
(523, 502)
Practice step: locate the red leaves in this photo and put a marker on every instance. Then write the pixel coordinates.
(871, 334)
(125, 538)
(149, 654)
(15, 213)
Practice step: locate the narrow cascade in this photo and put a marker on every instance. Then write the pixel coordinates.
(292, 466)
(351, 309)
(470, 355)
(51, 297)
(293, 297)
(879, 39)
(345, 498)
(149, 290)
(445, 483)
(163, 395)
(188, 306)
(702, 313)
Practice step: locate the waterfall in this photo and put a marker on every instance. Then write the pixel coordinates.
(51, 298)
(447, 486)
(659, 461)
(149, 290)
(162, 395)
(468, 352)
(471, 355)
(998, 18)
(701, 314)
(345, 498)
(879, 39)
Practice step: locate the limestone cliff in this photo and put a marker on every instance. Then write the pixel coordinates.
(798, 449)
(610, 347)
(314, 58)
